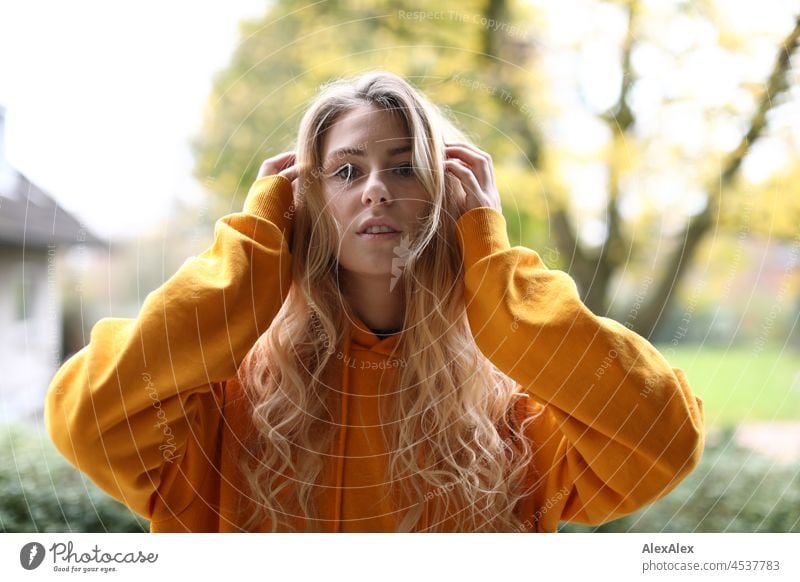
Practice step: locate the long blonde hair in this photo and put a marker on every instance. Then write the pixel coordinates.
(446, 418)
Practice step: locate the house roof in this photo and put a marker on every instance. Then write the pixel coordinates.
(31, 217)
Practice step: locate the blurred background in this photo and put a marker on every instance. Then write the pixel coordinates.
(649, 148)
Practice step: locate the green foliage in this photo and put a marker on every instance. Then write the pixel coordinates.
(284, 57)
(732, 490)
(42, 492)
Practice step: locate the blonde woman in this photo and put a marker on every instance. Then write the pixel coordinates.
(362, 350)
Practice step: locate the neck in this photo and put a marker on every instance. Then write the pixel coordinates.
(373, 302)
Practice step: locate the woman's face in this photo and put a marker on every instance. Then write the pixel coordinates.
(368, 181)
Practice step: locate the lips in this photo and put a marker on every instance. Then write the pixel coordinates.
(383, 222)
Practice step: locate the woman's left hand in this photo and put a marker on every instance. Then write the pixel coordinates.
(474, 171)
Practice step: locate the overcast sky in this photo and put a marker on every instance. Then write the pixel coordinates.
(102, 97)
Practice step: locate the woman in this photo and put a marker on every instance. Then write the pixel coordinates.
(362, 350)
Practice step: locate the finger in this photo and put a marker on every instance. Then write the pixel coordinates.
(280, 159)
(276, 164)
(291, 173)
(468, 152)
(465, 175)
(480, 162)
(464, 144)
(474, 168)
(470, 148)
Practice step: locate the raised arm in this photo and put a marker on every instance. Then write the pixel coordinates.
(617, 427)
(138, 408)
(614, 426)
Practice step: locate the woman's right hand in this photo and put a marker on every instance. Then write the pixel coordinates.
(283, 164)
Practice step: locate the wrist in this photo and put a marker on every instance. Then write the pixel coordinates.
(272, 198)
(481, 232)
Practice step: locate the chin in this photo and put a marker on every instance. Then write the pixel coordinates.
(375, 273)
(371, 271)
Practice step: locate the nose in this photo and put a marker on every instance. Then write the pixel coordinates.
(375, 190)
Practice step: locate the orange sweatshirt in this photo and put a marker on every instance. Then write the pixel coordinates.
(151, 411)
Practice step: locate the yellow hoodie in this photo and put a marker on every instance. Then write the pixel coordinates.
(152, 412)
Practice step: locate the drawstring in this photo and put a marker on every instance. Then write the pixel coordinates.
(342, 434)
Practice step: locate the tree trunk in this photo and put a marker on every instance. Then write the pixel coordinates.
(650, 317)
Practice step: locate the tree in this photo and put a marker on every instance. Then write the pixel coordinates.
(285, 56)
(480, 62)
(594, 268)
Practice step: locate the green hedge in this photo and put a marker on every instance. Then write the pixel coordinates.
(41, 492)
(733, 489)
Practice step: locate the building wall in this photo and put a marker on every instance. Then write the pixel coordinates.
(30, 330)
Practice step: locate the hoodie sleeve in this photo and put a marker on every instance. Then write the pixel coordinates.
(613, 425)
(139, 408)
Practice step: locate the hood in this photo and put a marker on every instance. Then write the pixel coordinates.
(359, 336)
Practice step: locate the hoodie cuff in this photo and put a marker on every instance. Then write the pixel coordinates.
(481, 232)
(272, 198)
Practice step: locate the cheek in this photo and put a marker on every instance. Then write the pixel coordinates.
(420, 210)
(335, 210)
(341, 217)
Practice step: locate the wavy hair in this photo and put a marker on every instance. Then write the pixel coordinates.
(448, 436)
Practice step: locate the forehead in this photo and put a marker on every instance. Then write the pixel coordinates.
(368, 127)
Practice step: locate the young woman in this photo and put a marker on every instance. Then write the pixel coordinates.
(362, 350)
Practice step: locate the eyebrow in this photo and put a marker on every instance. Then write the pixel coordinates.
(355, 151)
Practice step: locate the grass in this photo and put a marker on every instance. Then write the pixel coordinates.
(741, 384)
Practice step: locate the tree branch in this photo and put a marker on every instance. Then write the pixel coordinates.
(657, 303)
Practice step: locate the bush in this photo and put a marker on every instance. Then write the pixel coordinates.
(733, 489)
(41, 492)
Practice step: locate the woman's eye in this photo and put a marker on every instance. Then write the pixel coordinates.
(347, 172)
(405, 170)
